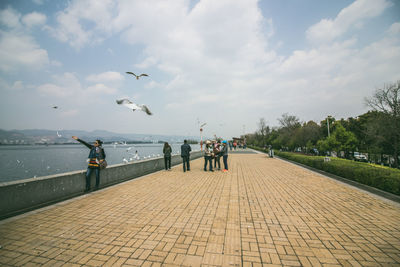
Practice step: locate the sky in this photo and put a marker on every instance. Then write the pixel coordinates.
(226, 63)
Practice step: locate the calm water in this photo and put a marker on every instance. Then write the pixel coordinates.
(21, 162)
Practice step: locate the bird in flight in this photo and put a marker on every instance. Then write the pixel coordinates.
(129, 104)
(55, 107)
(137, 76)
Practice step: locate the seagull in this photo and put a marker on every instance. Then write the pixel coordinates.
(55, 107)
(59, 135)
(137, 76)
(129, 104)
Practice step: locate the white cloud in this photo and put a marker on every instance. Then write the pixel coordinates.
(328, 30)
(66, 85)
(100, 89)
(53, 90)
(10, 18)
(34, 19)
(18, 50)
(73, 26)
(69, 85)
(109, 76)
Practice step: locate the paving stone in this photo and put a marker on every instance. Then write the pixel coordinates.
(262, 212)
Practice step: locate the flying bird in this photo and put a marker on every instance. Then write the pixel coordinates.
(137, 76)
(129, 104)
(55, 107)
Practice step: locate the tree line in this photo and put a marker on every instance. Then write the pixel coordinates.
(376, 132)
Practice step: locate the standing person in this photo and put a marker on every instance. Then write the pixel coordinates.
(185, 154)
(167, 150)
(224, 153)
(208, 153)
(217, 155)
(96, 156)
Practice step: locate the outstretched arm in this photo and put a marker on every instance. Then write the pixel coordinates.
(83, 142)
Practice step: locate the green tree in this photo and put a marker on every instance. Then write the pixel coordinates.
(339, 140)
(287, 131)
(386, 101)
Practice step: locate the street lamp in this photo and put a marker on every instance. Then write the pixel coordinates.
(327, 122)
(201, 136)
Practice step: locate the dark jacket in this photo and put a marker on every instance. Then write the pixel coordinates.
(167, 151)
(95, 154)
(224, 150)
(185, 150)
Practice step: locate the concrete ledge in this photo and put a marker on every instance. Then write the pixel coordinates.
(25, 195)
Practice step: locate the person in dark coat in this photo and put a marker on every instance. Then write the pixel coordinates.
(96, 156)
(224, 152)
(185, 154)
(167, 150)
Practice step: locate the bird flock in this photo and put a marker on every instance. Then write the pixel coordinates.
(126, 102)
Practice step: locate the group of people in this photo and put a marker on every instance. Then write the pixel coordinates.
(213, 150)
(185, 154)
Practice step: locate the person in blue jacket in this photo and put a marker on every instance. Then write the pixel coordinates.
(185, 154)
(224, 152)
(96, 156)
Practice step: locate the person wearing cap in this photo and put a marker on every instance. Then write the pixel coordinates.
(96, 156)
(224, 152)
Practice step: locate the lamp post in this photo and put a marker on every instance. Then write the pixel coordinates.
(329, 135)
(201, 136)
(327, 122)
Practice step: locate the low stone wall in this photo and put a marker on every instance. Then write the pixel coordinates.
(24, 195)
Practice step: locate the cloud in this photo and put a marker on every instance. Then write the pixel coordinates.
(10, 18)
(328, 30)
(69, 85)
(100, 89)
(109, 76)
(83, 22)
(65, 85)
(18, 50)
(49, 89)
(34, 19)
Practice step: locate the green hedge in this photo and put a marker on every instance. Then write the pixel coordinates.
(383, 178)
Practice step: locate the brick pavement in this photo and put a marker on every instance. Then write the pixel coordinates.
(262, 212)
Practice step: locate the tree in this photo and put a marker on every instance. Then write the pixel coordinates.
(289, 125)
(263, 131)
(339, 140)
(387, 101)
(308, 134)
(346, 140)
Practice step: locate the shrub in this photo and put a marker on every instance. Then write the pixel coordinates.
(385, 179)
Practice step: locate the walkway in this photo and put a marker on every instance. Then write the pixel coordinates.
(262, 212)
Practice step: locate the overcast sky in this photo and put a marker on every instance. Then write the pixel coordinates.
(226, 62)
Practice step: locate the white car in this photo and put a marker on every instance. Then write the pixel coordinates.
(360, 157)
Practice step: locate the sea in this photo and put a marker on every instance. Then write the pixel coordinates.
(31, 161)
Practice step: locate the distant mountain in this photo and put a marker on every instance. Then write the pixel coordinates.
(42, 136)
